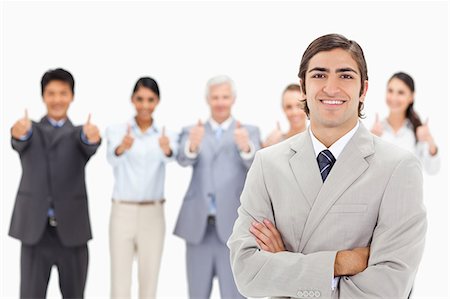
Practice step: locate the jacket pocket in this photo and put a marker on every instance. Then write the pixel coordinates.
(349, 208)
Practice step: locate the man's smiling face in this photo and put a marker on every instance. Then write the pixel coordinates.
(333, 86)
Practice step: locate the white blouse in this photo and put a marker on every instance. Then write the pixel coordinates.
(140, 171)
(405, 138)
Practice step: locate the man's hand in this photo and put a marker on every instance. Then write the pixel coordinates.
(91, 131)
(195, 136)
(164, 143)
(21, 127)
(351, 262)
(267, 236)
(241, 138)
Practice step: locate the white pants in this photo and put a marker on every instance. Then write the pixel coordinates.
(136, 230)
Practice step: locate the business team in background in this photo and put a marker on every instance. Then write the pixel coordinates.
(294, 199)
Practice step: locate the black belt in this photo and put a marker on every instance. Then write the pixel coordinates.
(211, 219)
(52, 221)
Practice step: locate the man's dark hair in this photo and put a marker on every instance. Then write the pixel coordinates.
(327, 43)
(58, 74)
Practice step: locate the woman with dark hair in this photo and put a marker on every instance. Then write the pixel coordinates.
(138, 152)
(403, 126)
(296, 116)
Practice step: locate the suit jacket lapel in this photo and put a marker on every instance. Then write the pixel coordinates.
(304, 167)
(226, 136)
(218, 145)
(53, 135)
(47, 132)
(350, 165)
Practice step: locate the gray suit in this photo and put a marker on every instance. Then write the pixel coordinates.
(218, 170)
(372, 196)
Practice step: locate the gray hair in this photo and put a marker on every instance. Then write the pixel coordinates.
(218, 80)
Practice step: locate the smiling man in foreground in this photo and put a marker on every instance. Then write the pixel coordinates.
(333, 212)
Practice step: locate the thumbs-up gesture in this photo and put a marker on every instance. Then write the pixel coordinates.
(21, 127)
(275, 136)
(424, 135)
(377, 128)
(164, 143)
(91, 131)
(423, 132)
(195, 136)
(127, 142)
(241, 138)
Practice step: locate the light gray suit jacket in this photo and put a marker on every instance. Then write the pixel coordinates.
(372, 197)
(218, 170)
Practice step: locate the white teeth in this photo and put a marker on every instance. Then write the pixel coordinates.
(332, 102)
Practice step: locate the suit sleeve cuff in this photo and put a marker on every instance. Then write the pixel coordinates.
(27, 135)
(85, 140)
(334, 283)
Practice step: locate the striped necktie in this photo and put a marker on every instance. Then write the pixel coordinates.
(326, 161)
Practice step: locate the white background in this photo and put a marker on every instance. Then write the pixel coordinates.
(108, 45)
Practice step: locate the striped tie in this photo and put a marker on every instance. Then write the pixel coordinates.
(326, 161)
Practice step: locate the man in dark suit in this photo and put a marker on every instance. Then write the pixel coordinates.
(50, 215)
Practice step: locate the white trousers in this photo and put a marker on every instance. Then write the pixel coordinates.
(136, 231)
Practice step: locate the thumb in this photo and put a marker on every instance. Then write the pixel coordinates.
(199, 123)
(278, 126)
(89, 119)
(128, 129)
(238, 124)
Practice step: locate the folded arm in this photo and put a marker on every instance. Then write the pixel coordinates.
(398, 240)
(259, 273)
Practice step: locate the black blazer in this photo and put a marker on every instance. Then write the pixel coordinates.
(53, 162)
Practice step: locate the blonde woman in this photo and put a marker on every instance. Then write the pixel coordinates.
(295, 115)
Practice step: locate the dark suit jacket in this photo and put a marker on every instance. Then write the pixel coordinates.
(53, 162)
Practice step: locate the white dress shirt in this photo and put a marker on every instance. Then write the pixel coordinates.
(336, 149)
(139, 172)
(405, 138)
(223, 126)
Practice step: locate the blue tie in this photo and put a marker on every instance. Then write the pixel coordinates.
(219, 132)
(326, 161)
